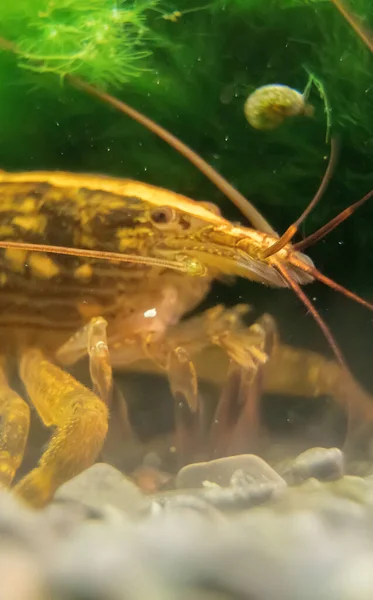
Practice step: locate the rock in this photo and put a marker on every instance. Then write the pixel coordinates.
(351, 487)
(221, 470)
(21, 575)
(21, 524)
(101, 486)
(189, 500)
(266, 553)
(241, 497)
(63, 516)
(318, 463)
(337, 504)
(244, 490)
(355, 581)
(102, 562)
(211, 500)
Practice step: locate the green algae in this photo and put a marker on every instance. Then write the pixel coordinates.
(100, 40)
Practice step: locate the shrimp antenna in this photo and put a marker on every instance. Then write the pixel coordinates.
(328, 227)
(179, 264)
(310, 307)
(354, 23)
(316, 274)
(293, 229)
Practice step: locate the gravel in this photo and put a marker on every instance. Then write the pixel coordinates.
(239, 530)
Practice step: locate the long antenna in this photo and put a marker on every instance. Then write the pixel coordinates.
(353, 21)
(184, 264)
(328, 227)
(292, 230)
(316, 274)
(310, 307)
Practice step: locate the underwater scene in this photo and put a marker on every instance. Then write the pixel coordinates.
(186, 297)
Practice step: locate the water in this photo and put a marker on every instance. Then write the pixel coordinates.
(195, 82)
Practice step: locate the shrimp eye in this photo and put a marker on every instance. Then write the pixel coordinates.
(162, 215)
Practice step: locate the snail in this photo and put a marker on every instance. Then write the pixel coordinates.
(268, 106)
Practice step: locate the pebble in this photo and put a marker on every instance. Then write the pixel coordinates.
(21, 576)
(101, 486)
(221, 471)
(190, 500)
(20, 524)
(102, 562)
(320, 463)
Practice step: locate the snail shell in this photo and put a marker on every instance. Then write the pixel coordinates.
(268, 106)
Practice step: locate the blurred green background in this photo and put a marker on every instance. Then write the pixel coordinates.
(190, 66)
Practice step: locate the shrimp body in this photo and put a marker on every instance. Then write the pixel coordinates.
(268, 106)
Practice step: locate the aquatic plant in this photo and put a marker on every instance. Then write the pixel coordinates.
(100, 40)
